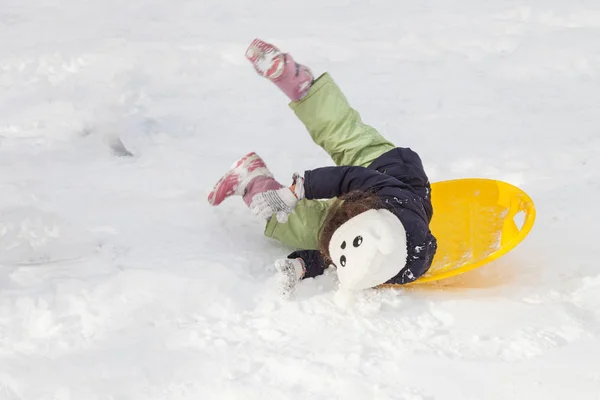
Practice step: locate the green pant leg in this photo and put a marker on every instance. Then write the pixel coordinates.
(337, 127)
(301, 231)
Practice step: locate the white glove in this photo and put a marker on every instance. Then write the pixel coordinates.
(280, 202)
(292, 271)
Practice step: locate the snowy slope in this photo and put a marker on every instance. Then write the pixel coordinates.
(119, 281)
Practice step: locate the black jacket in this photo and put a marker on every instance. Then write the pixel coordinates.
(399, 179)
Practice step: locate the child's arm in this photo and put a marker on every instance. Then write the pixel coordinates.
(329, 182)
(299, 265)
(321, 183)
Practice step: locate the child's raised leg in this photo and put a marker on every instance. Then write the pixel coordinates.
(337, 127)
(321, 106)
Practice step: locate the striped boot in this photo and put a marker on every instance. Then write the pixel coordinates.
(292, 78)
(247, 177)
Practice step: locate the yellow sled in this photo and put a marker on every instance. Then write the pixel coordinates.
(475, 222)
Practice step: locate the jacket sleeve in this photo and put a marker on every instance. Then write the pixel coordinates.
(329, 182)
(313, 262)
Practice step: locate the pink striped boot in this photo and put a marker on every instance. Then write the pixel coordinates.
(292, 78)
(247, 177)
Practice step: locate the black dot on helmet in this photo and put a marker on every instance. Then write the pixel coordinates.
(343, 261)
(357, 241)
(343, 246)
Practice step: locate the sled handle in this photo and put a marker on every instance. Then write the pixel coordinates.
(526, 206)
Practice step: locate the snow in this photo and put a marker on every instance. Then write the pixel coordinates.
(119, 281)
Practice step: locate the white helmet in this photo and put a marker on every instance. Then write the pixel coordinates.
(368, 249)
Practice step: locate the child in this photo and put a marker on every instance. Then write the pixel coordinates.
(375, 226)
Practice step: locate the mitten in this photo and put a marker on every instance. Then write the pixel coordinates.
(292, 271)
(280, 202)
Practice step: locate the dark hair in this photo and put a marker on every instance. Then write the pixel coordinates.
(343, 208)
